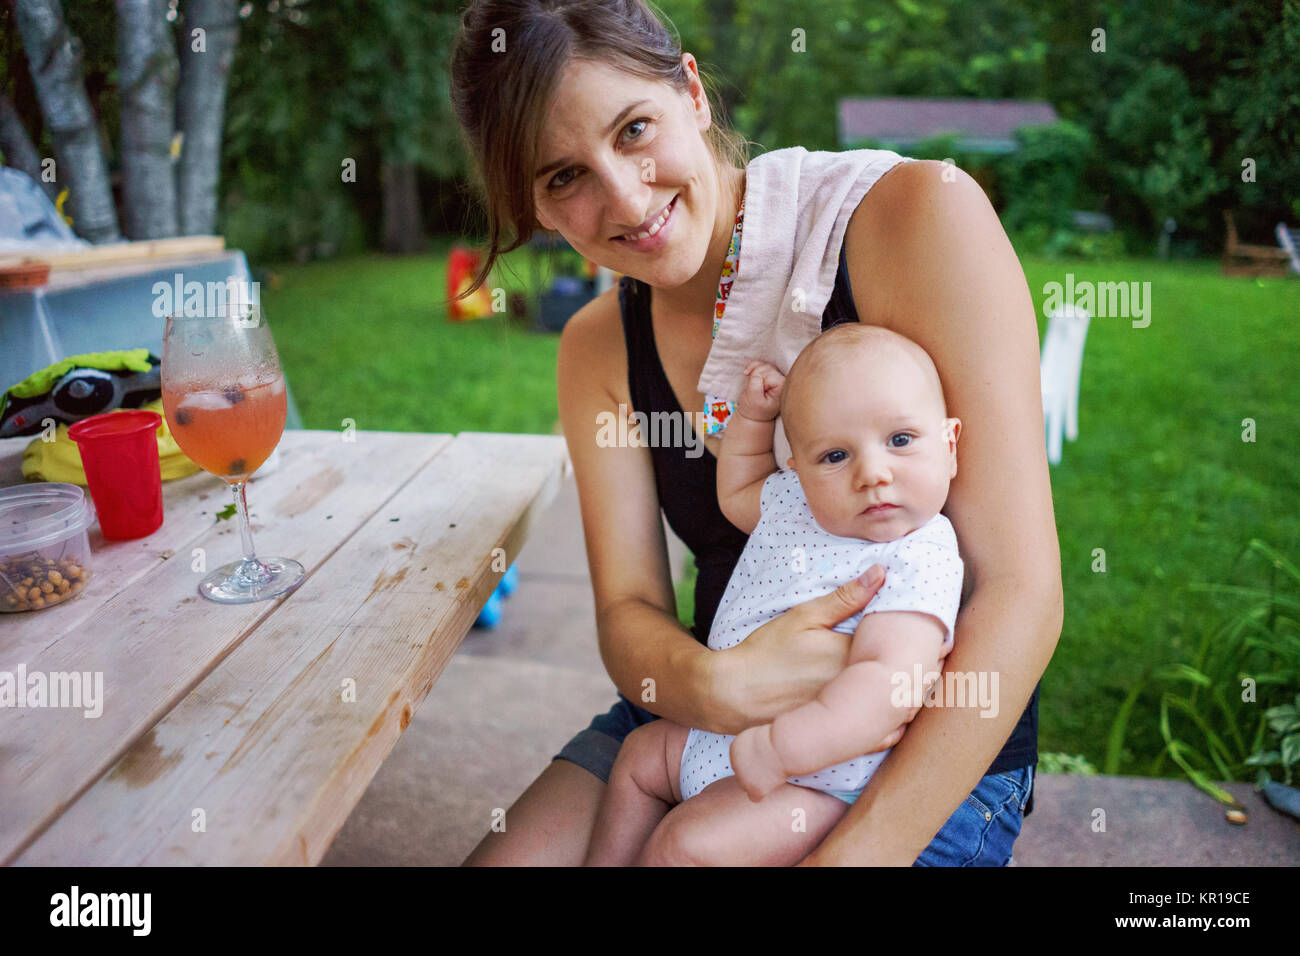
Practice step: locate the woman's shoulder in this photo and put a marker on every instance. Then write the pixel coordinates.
(592, 350)
(940, 190)
(907, 231)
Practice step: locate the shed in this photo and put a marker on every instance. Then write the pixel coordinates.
(900, 122)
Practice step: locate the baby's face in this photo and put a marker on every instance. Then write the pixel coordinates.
(872, 448)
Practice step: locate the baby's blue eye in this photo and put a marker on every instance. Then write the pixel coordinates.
(830, 457)
(895, 443)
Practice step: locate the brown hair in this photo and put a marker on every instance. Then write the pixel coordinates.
(500, 99)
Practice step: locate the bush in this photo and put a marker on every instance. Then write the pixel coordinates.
(274, 217)
(1035, 189)
(1218, 713)
(1067, 244)
(1049, 762)
(1042, 179)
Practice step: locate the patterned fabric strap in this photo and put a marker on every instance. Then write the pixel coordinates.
(718, 408)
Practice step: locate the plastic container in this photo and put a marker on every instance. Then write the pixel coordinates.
(119, 452)
(44, 545)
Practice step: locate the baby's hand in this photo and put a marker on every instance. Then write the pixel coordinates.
(757, 766)
(761, 401)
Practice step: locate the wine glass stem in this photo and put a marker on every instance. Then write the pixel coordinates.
(251, 569)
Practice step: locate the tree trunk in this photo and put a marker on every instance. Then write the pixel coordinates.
(55, 59)
(17, 146)
(146, 61)
(201, 108)
(722, 14)
(403, 231)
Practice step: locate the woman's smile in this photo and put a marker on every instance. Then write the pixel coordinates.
(655, 236)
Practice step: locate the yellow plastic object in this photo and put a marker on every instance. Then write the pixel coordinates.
(60, 460)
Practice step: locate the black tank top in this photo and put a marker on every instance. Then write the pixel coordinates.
(688, 492)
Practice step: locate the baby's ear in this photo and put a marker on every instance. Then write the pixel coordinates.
(951, 431)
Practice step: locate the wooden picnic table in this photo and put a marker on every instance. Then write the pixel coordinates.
(245, 734)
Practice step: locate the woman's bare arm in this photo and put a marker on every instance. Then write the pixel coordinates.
(636, 610)
(928, 258)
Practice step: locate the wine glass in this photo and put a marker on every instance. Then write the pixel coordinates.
(224, 397)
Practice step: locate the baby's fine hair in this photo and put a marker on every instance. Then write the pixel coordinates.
(851, 338)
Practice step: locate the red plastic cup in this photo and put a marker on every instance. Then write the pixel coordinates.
(119, 452)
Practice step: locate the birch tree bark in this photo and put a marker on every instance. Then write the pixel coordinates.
(147, 69)
(17, 146)
(201, 107)
(54, 56)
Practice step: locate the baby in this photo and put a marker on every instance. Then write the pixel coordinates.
(873, 453)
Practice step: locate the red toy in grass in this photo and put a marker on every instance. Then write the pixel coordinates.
(462, 266)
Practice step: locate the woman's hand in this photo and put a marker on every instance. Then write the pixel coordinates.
(784, 663)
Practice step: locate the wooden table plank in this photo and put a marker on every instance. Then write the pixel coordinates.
(267, 746)
(155, 639)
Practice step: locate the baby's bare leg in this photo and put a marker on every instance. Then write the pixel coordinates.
(643, 786)
(721, 826)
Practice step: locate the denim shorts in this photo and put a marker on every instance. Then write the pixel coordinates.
(980, 833)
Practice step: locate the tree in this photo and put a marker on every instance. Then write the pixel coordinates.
(205, 58)
(170, 107)
(147, 62)
(55, 58)
(1183, 93)
(17, 146)
(337, 111)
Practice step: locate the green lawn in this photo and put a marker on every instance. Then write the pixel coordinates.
(1162, 480)
(368, 339)
(1160, 477)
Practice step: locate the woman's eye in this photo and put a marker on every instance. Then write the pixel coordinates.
(900, 440)
(834, 457)
(556, 181)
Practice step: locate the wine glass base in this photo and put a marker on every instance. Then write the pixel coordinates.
(243, 583)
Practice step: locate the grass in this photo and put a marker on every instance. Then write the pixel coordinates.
(368, 339)
(1160, 477)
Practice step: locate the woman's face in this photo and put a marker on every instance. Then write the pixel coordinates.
(615, 152)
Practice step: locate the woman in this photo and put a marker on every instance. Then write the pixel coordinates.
(586, 118)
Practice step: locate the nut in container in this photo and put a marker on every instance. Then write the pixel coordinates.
(44, 544)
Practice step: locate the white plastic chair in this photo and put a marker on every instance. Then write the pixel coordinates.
(605, 279)
(1060, 368)
(1289, 239)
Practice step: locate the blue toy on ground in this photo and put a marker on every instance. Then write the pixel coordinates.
(493, 610)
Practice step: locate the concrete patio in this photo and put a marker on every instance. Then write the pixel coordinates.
(481, 737)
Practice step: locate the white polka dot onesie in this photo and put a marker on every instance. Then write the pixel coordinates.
(790, 559)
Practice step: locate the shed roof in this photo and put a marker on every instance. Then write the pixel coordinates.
(904, 121)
